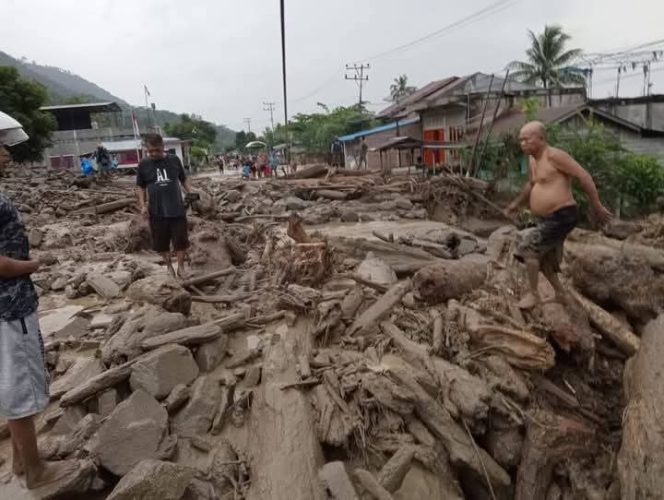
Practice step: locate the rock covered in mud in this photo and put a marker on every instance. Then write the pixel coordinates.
(148, 322)
(153, 480)
(163, 291)
(162, 369)
(376, 270)
(136, 430)
(196, 417)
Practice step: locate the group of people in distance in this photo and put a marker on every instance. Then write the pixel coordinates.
(252, 166)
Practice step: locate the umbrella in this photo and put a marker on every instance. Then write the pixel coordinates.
(255, 144)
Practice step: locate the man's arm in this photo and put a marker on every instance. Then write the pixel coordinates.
(523, 196)
(568, 165)
(140, 192)
(12, 268)
(184, 179)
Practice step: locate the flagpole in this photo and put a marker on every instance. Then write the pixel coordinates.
(137, 135)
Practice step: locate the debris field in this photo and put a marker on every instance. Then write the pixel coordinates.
(342, 337)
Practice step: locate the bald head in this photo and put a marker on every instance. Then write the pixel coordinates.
(533, 138)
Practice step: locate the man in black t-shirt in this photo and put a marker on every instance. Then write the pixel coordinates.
(158, 183)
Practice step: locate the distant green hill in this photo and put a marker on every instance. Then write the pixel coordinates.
(65, 87)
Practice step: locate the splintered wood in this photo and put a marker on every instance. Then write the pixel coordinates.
(308, 261)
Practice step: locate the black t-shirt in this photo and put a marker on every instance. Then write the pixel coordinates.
(162, 180)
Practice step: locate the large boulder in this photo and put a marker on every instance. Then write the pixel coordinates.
(136, 430)
(153, 480)
(376, 270)
(196, 417)
(146, 323)
(162, 369)
(81, 369)
(163, 291)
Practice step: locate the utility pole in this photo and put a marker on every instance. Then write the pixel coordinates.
(269, 106)
(247, 122)
(282, 15)
(359, 76)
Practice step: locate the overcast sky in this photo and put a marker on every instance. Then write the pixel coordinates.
(221, 58)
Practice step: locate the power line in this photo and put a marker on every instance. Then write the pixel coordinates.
(359, 76)
(269, 106)
(247, 122)
(490, 10)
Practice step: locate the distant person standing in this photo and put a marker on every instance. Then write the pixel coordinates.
(273, 160)
(364, 149)
(158, 183)
(103, 159)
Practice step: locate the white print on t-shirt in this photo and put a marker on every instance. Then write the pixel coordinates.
(161, 175)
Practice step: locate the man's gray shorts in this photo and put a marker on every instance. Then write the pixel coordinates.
(23, 376)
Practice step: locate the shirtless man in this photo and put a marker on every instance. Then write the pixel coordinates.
(549, 191)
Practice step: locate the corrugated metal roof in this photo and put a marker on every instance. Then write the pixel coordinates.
(133, 144)
(513, 119)
(376, 130)
(416, 96)
(92, 107)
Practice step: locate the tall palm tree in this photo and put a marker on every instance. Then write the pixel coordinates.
(548, 61)
(400, 88)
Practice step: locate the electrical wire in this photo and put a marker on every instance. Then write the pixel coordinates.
(491, 9)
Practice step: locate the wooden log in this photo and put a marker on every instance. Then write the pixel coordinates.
(352, 302)
(370, 483)
(608, 275)
(434, 249)
(392, 474)
(230, 298)
(106, 207)
(608, 325)
(199, 280)
(448, 280)
(437, 333)
(97, 384)
(362, 281)
(641, 456)
(468, 393)
(193, 335)
(455, 440)
(310, 172)
(382, 306)
(337, 482)
(654, 257)
(303, 363)
(284, 445)
(332, 195)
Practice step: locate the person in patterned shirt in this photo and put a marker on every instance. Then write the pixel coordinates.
(24, 378)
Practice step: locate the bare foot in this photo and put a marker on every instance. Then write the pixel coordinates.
(528, 301)
(50, 473)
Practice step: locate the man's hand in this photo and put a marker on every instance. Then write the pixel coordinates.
(32, 266)
(602, 214)
(511, 211)
(144, 211)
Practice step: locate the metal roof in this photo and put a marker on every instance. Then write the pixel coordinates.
(513, 119)
(376, 130)
(92, 107)
(133, 144)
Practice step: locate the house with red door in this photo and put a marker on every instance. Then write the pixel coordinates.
(448, 108)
